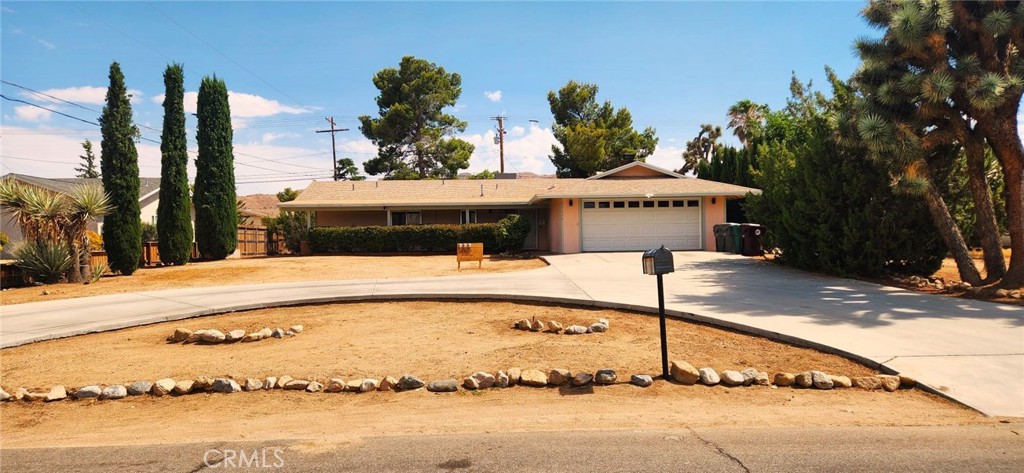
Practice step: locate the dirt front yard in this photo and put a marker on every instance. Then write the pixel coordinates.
(433, 340)
(268, 270)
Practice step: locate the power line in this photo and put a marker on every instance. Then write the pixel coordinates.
(49, 110)
(43, 94)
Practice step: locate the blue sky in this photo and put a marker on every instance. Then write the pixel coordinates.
(674, 65)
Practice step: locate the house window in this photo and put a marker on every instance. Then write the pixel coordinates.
(467, 216)
(588, 205)
(677, 203)
(692, 203)
(648, 204)
(662, 203)
(603, 205)
(634, 204)
(405, 218)
(619, 205)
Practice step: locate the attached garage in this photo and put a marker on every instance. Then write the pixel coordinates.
(633, 225)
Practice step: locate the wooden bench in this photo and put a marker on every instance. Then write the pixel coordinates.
(470, 252)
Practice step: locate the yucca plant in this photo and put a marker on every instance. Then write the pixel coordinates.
(44, 261)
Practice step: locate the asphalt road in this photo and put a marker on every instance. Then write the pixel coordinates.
(935, 449)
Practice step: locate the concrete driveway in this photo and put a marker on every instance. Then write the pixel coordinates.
(971, 351)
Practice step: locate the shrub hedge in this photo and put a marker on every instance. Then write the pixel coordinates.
(405, 238)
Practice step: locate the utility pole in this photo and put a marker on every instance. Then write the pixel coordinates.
(501, 140)
(334, 151)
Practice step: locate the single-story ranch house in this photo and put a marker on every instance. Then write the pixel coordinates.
(633, 207)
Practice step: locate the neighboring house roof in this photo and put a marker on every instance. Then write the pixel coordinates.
(653, 182)
(260, 205)
(147, 185)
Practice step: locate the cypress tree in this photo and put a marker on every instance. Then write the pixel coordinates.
(119, 166)
(214, 199)
(173, 222)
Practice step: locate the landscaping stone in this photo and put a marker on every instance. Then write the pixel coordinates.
(804, 380)
(606, 323)
(388, 384)
(732, 378)
(841, 381)
(501, 380)
(889, 383)
(335, 385)
(289, 333)
(533, 378)
(785, 379)
(277, 333)
(296, 385)
(252, 384)
(368, 384)
(31, 396)
(179, 335)
(605, 376)
(575, 330)
(4, 396)
(59, 393)
(252, 337)
(443, 386)
(484, 379)
(314, 387)
(749, 375)
(282, 381)
(88, 392)
(554, 326)
(161, 387)
(867, 382)
(537, 326)
(234, 336)
(523, 324)
(195, 337)
(559, 377)
(907, 381)
(265, 332)
(821, 380)
(270, 382)
(225, 385)
(296, 328)
(470, 383)
(202, 383)
(762, 379)
(212, 336)
(183, 387)
(19, 395)
(353, 385)
(408, 382)
(116, 391)
(598, 327)
(139, 388)
(684, 372)
(709, 376)
(513, 376)
(582, 379)
(641, 380)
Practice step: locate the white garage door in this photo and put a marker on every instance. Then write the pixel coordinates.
(627, 225)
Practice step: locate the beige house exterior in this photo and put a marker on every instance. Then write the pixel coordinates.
(633, 207)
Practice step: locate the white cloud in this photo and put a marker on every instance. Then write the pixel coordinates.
(243, 106)
(267, 138)
(668, 157)
(32, 114)
(46, 44)
(17, 31)
(526, 153)
(55, 152)
(85, 94)
(6, 10)
(494, 96)
(517, 131)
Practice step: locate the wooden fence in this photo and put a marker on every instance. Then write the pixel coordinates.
(252, 242)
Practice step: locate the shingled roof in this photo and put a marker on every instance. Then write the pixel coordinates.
(147, 185)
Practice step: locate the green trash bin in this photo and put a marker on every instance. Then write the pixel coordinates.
(735, 243)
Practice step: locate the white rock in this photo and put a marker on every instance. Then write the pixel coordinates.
(604, 322)
(485, 380)
(270, 382)
(252, 384)
(821, 380)
(732, 378)
(183, 387)
(314, 387)
(598, 328)
(554, 326)
(368, 384)
(709, 376)
(234, 335)
(225, 385)
(179, 335)
(139, 388)
(575, 330)
(388, 384)
(212, 336)
(88, 392)
(641, 380)
(161, 387)
(335, 385)
(296, 328)
(58, 393)
(114, 392)
(4, 396)
(501, 380)
(296, 385)
(282, 381)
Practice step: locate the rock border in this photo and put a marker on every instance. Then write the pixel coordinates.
(555, 327)
(185, 336)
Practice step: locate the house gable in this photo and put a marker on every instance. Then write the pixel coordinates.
(637, 169)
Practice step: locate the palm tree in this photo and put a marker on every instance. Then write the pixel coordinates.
(85, 203)
(745, 119)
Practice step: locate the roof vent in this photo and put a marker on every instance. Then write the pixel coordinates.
(481, 190)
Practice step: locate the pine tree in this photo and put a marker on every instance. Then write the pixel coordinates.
(87, 169)
(174, 223)
(215, 201)
(119, 164)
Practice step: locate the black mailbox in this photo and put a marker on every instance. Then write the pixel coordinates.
(658, 261)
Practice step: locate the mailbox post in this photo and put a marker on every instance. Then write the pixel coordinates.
(658, 261)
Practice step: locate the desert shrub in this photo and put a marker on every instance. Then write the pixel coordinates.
(97, 272)
(149, 232)
(512, 232)
(95, 240)
(44, 261)
(404, 238)
(4, 240)
(292, 225)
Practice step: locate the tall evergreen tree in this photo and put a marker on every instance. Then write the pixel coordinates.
(174, 222)
(215, 201)
(119, 164)
(87, 169)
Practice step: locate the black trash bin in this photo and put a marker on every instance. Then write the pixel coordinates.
(721, 232)
(751, 234)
